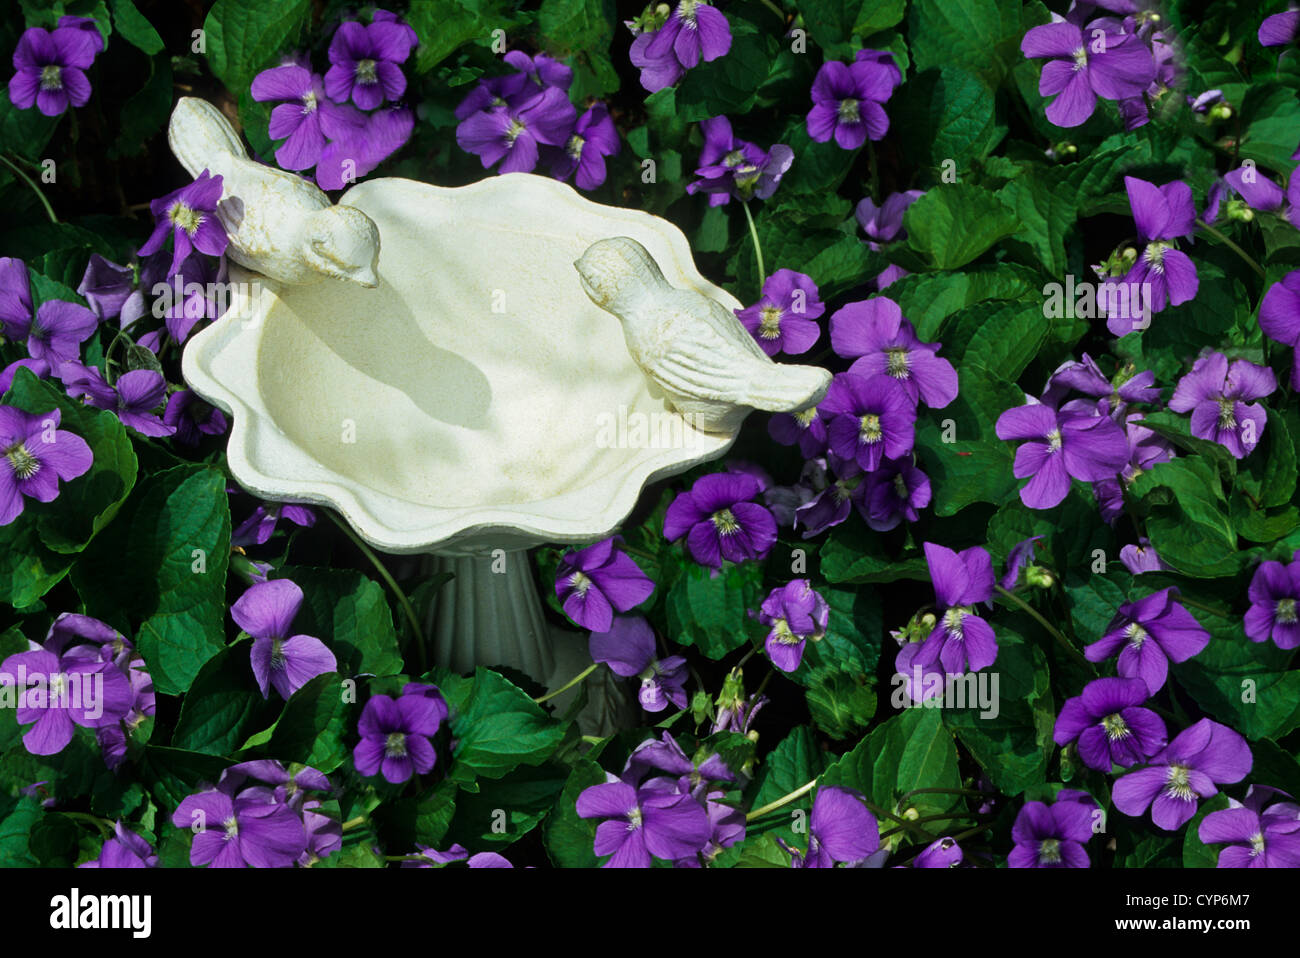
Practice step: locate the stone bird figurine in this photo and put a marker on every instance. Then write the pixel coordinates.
(280, 224)
(692, 347)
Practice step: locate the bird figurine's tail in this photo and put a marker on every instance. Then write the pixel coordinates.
(201, 137)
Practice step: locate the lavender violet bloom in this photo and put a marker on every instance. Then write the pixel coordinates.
(395, 734)
(628, 648)
(192, 417)
(364, 63)
(133, 398)
(649, 820)
(594, 582)
(258, 528)
(35, 455)
(869, 419)
(593, 138)
(1201, 757)
(189, 215)
(1061, 445)
(241, 830)
(840, 829)
(848, 101)
(1109, 725)
(693, 31)
(125, 849)
(51, 68)
(1274, 594)
(513, 135)
(784, 319)
(796, 614)
(1280, 30)
(1141, 558)
(897, 491)
(1021, 555)
(1162, 274)
(884, 224)
(1213, 392)
(720, 522)
(305, 118)
(105, 286)
(1080, 68)
(1279, 315)
(266, 612)
(880, 340)
(1255, 833)
(1051, 836)
(1149, 633)
(961, 641)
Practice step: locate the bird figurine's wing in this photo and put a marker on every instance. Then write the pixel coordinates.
(202, 138)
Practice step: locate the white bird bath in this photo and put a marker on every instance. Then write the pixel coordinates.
(462, 407)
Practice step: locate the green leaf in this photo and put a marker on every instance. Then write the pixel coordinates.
(841, 703)
(796, 760)
(15, 830)
(912, 750)
(86, 504)
(145, 112)
(855, 554)
(582, 31)
(729, 85)
(1272, 115)
(1008, 717)
(1196, 854)
(708, 611)
(570, 840)
(503, 811)
(162, 563)
(953, 118)
(135, 28)
(444, 25)
(350, 614)
(223, 706)
(174, 773)
(243, 36)
(1187, 521)
(927, 299)
(834, 23)
(1269, 475)
(982, 36)
(27, 569)
(953, 224)
(311, 729)
(24, 132)
(497, 728)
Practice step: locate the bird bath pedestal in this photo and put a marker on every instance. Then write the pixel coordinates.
(464, 409)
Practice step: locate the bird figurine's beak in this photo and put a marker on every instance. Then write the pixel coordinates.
(366, 278)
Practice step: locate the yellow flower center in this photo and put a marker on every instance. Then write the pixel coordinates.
(1178, 786)
(805, 418)
(1054, 440)
(849, 112)
(1115, 726)
(769, 323)
(395, 745)
(581, 582)
(1285, 611)
(52, 77)
(22, 462)
(870, 430)
(725, 522)
(574, 146)
(1227, 413)
(897, 362)
(1136, 635)
(1049, 850)
(366, 71)
(185, 216)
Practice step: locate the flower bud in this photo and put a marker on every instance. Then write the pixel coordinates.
(1036, 575)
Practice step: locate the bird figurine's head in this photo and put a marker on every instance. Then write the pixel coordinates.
(343, 243)
(613, 268)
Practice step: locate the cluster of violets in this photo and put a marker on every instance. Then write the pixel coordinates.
(260, 815)
(81, 654)
(347, 122)
(669, 40)
(526, 117)
(734, 168)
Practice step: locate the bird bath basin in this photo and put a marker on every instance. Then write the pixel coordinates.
(474, 405)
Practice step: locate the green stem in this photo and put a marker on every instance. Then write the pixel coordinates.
(1232, 246)
(592, 739)
(1202, 606)
(387, 576)
(352, 823)
(1055, 632)
(931, 818)
(105, 828)
(775, 9)
(942, 791)
(758, 248)
(797, 794)
(40, 195)
(569, 684)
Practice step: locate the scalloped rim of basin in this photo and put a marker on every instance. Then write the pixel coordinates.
(396, 525)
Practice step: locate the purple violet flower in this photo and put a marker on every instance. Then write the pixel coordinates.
(395, 734)
(1061, 445)
(1051, 836)
(1213, 392)
(720, 522)
(189, 215)
(133, 398)
(287, 663)
(796, 613)
(305, 117)
(1274, 593)
(884, 224)
(870, 419)
(240, 830)
(1201, 757)
(805, 428)
(51, 68)
(594, 582)
(648, 820)
(897, 491)
(848, 101)
(1279, 315)
(1255, 833)
(1080, 68)
(35, 455)
(1280, 30)
(192, 417)
(364, 63)
(880, 340)
(54, 332)
(961, 641)
(513, 135)
(1141, 557)
(784, 319)
(258, 528)
(1162, 274)
(125, 849)
(941, 853)
(840, 829)
(358, 150)
(1148, 634)
(628, 648)
(594, 137)
(1109, 726)
(1021, 555)
(693, 31)
(106, 286)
